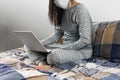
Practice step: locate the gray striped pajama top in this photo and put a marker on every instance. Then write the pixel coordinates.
(76, 31)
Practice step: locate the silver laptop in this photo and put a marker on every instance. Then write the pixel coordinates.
(31, 41)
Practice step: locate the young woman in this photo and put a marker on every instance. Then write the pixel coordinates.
(72, 24)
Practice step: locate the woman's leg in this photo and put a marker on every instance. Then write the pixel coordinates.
(62, 56)
(34, 56)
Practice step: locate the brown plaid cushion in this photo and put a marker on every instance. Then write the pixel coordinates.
(107, 41)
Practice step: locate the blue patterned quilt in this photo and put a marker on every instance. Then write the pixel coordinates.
(12, 67)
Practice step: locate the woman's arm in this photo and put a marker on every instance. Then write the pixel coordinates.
(53, 38)
(84, 22)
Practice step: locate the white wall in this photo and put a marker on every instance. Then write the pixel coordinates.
(32, 14)
(103, 10)
(26, 15)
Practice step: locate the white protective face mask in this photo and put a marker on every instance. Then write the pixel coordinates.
(61, 3)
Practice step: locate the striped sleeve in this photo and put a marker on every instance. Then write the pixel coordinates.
(54, 37)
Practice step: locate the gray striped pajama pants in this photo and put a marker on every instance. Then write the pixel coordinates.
(60, 55)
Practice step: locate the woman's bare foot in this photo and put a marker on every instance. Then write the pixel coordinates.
(43, 66)
(42, 63)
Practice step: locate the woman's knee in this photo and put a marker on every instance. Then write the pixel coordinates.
(88, 54)
(53, 57)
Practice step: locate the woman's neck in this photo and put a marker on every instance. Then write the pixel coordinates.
(71, 4)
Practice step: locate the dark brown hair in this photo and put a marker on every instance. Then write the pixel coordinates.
(55, 13)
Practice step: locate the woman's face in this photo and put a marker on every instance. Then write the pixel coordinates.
(61, 3)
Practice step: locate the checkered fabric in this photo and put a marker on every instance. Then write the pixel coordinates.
(107, 41)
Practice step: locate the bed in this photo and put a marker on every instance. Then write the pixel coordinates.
(15, 65)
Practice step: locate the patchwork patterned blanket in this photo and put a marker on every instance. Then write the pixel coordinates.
(13, 67)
